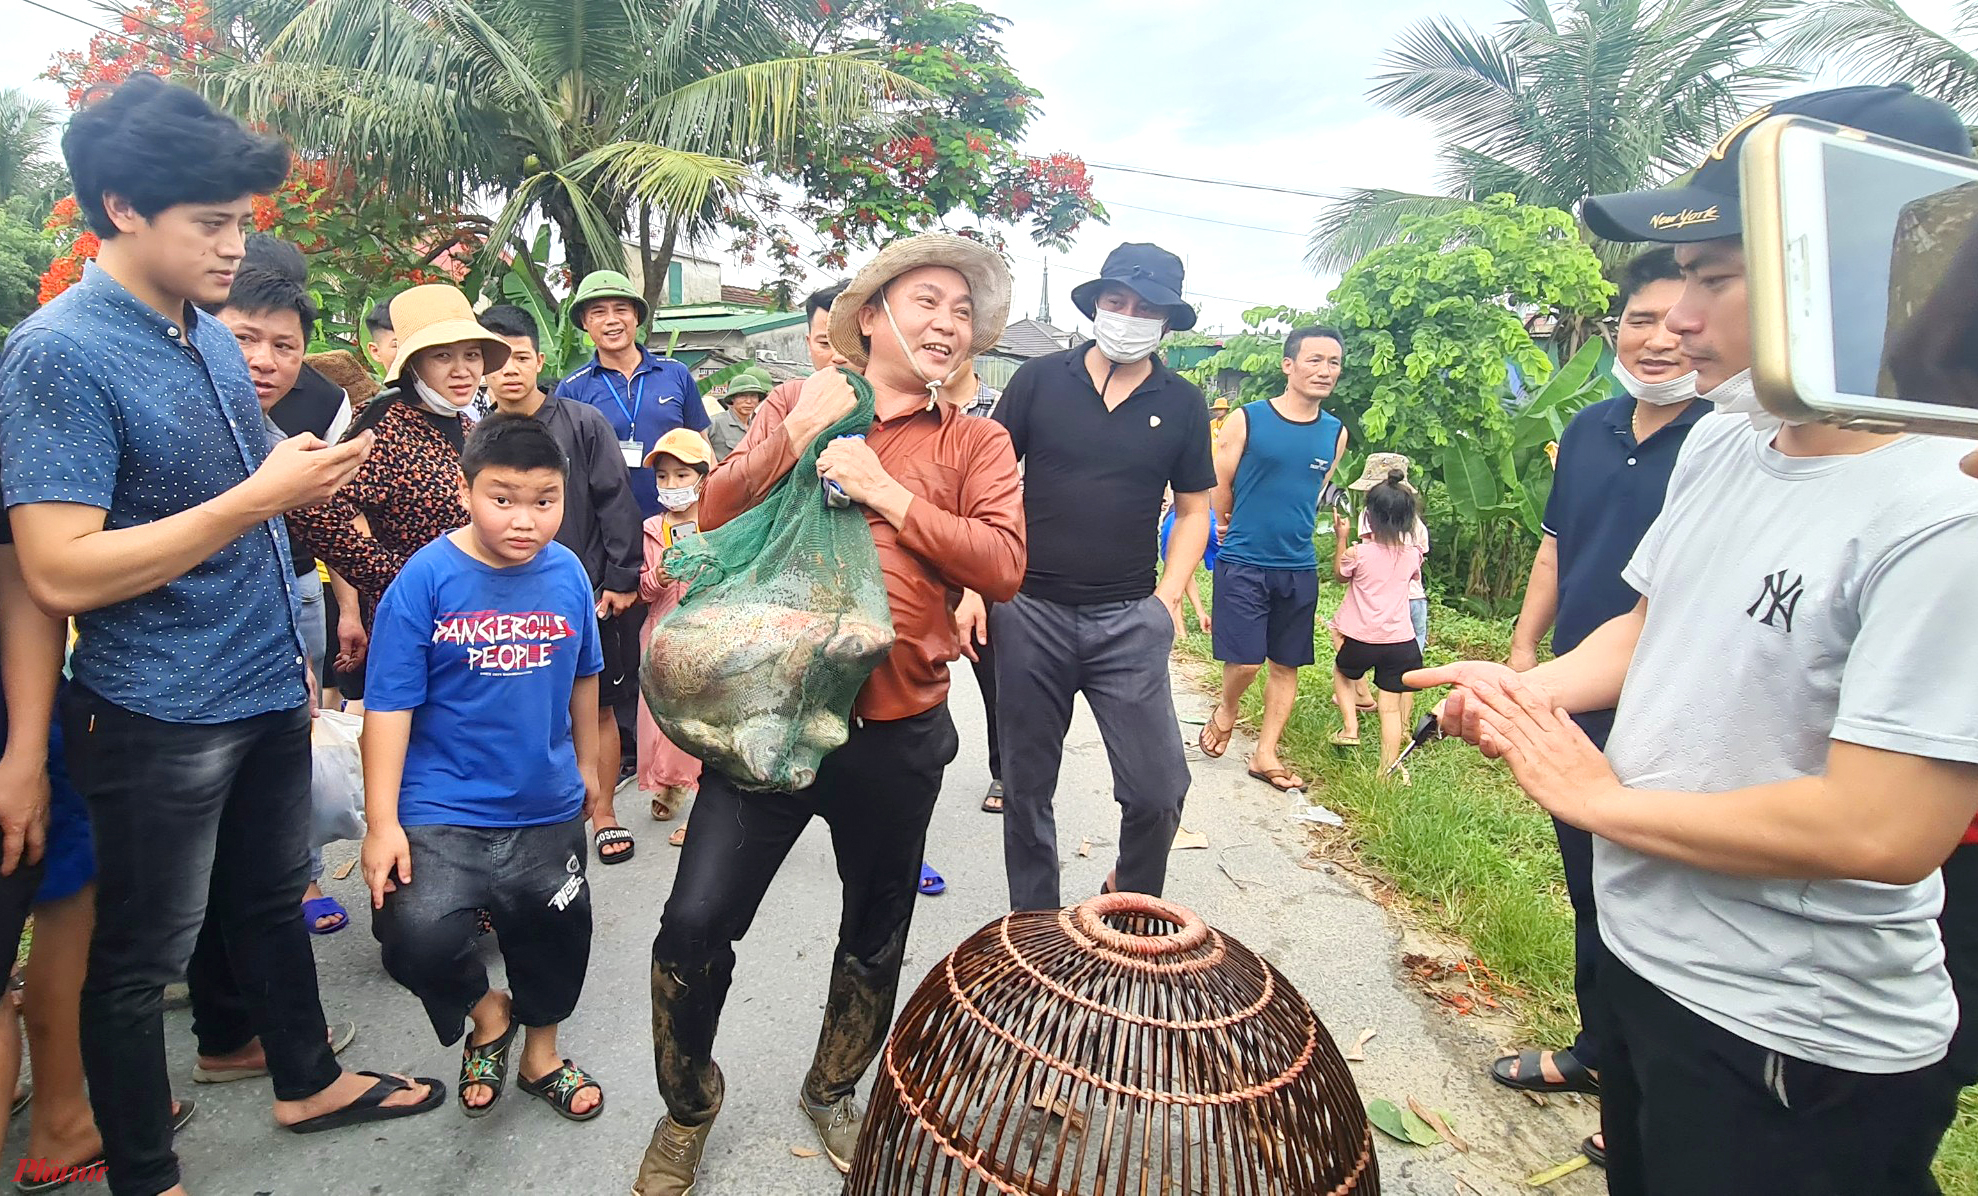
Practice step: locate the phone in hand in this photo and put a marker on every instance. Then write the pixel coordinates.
(373, 413)
(1862, 273)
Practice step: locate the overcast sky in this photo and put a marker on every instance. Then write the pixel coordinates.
(1271, 92)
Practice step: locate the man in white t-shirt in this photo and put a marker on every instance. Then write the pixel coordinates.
(1790, 760)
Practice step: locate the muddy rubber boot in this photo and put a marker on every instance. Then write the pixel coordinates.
(858, 1009)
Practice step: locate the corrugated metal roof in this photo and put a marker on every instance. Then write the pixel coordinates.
(722, 317)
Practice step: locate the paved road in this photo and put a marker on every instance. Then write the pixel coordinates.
(1338, 947)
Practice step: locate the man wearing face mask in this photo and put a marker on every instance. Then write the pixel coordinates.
(1790, 761)
(1607, 488)
(1102, 430)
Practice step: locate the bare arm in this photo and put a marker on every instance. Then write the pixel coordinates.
(1186, 543)
(1229, 454)
(72, 563)
(31, 646)
(584, 736)
(386, 856)
(1540, 608)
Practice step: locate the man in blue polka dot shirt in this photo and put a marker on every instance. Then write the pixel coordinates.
(146, 503)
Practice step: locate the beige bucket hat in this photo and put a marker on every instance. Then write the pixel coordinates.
(988, 284)
(1379, 465)
(438, 314)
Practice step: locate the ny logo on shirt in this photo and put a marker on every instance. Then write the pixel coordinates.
(1778, 599)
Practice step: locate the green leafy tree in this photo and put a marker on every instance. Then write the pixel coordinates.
(25, 251)
(587, 115)
(27, 133)
(1598, 96)
(1875, 41)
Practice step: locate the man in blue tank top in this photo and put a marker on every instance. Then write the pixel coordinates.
(1272, 460)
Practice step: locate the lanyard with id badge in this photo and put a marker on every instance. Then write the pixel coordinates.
(633, 451)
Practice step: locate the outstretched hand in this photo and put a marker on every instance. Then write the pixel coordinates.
(1552, 760)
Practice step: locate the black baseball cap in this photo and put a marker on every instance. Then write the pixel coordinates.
(1703, 205)
(1148, 271)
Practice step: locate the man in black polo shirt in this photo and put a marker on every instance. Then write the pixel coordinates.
(1613, 469)
(1102, 430)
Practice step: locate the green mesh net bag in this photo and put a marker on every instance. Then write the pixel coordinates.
(784, 618)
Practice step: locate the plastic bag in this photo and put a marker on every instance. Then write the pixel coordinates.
(784, 617)
(336, 786)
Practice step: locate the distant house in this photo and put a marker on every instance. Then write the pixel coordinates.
(705, 337)
(1021, 342)
(689, 279)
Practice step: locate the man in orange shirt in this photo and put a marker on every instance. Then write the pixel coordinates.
(940, 493)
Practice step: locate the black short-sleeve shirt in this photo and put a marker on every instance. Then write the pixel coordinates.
(1093, 479)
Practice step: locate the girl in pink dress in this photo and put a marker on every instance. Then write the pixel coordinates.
(665, 771)
(1377, 633)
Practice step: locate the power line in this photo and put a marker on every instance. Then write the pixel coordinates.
(1282, 232)
(179, 45)
(1067, 266)
(1187, 178)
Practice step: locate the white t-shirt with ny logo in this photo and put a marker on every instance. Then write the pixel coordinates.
(1792, 601)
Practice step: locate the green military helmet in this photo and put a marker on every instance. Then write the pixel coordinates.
(752, 381)
(607, 284)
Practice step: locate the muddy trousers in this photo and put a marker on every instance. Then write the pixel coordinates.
(876, 793)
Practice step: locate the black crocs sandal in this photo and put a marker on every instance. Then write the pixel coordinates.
(485, 1064)
(371, 1105)
(1573, 1075)
(559, 1089)
(613, 835)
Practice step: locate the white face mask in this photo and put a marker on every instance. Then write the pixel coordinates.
(934, 385)
(1738, 395)
(678, 498)
(433, 401)
(1656, 394)
(1126, 339)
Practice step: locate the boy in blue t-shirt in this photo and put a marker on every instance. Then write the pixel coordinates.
(481, 698)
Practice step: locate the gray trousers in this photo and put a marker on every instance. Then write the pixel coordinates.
(1116, 654)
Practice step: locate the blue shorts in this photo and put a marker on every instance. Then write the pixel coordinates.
(71, 852)
(1264, 614)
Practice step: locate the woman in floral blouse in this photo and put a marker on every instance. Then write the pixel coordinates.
(408, 492)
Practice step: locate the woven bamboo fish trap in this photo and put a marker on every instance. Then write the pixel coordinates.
(1122, 1046)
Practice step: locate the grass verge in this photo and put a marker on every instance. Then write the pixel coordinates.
(1471, 856)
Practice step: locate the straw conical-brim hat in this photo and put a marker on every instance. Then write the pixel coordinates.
(438, 314)
(988, 285)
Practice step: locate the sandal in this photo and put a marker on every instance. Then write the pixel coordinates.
(1281, 779)
(1594, 1151)
(485, 1065)
(317, 908)
(371, 1105)
(1213, 733)
(662, 810)
(609, 836)
(1530, 1077)
(341, 1035)
(931, 884)
(560, 1088)
(1342, 739)
(992, 801)
(678, 838)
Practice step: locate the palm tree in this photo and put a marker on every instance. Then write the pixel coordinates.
(580, 113)
(1604, 95)
(26, 126)
(1878, 41)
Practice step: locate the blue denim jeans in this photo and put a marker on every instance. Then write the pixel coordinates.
(194, 824)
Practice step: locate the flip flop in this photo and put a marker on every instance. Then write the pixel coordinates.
(559, 1088)
(342, 1034)
(931, 884)
(91, 1171)
(1573, 1075)
(1342, 739)
(992, 801)
(370, 1106)
(317, 908)
(1274, 777)
(485, 1065)
(614, 834)
(678, 838)
(1595, 1153)
(1212, 732)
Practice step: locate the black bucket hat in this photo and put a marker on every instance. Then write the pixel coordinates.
(1148, 271)
(1704, 204)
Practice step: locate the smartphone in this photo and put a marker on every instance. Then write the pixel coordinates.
(373, 412)
(1862, 273)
